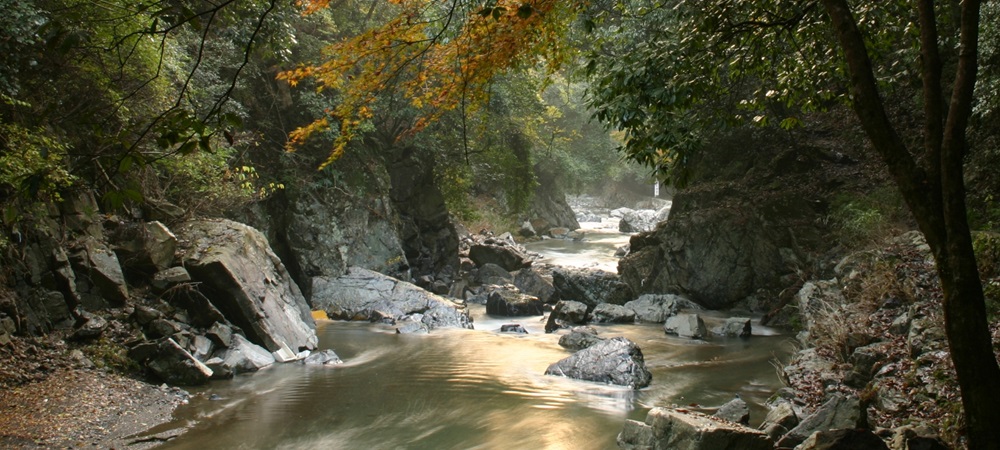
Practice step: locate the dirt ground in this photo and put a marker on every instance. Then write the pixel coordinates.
(51, 398)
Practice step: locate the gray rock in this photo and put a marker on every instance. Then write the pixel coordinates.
(515, 328)
(247, 282)
(490, 273)
(865, 361)
(506, 303)
(837, 413)
(735, 410)
(323, 358)
(847, 439)
(780, 420)
(526, 230)
(919, 437)
(735, 327)
(329, 228)
(143, 315)
(531, 282)
(168, 278)
(633, 221)
(445, 316)
(609, 313)
(686, 326)
(99, 277)
(925, 335)
(245, 356)
(566, 312)
(219, 369)
(657, 308)
(548, 206)
(362, 294)
(92, 326)
(719, 253)
(175, 365)
(507, 256)
(201, 347)
(410, 327)
(615, 361)
(579, 338)
(901, 325)
(591, 287)
(221, 334)
(668, 429)
(159, 244)
(162, 328)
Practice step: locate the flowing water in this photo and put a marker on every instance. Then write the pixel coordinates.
(478, 389)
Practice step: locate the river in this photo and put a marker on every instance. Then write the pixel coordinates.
(472, 389)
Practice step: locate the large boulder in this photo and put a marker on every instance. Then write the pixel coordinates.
(726, 241)
(615, 361)
(493, 274)
(669, 429)
(590, 286)
(324, 228)
(502, 302)
(549, 208)
(633, 221)
(657, 308)
(247, 282)
(509, 257)
(363, 294)
(735, 327)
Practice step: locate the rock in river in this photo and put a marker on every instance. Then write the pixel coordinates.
(668, 429)
(362, 294)
(614, 361)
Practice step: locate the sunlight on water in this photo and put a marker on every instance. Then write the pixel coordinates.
(458, 389)
(595, 251)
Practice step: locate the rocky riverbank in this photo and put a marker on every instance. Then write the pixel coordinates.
(52, 395)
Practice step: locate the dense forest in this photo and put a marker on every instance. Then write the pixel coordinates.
(479, 113)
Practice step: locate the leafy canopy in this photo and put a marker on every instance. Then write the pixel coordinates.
(440, 55)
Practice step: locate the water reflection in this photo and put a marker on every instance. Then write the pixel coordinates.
(466, 389)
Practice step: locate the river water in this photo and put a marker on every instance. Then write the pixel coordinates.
(472, 389)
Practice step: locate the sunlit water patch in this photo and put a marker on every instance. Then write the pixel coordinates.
(463, 389)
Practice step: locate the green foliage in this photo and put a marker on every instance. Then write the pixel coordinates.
(455, 182)
(32, 170)
(211, 183)
(735, 62)
(864, 219)
(105, 353)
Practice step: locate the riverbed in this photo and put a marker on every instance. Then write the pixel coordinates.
(471, 389)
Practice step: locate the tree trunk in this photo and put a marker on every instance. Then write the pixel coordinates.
(935, 193)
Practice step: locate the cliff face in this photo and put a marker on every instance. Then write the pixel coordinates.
(751, 222)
